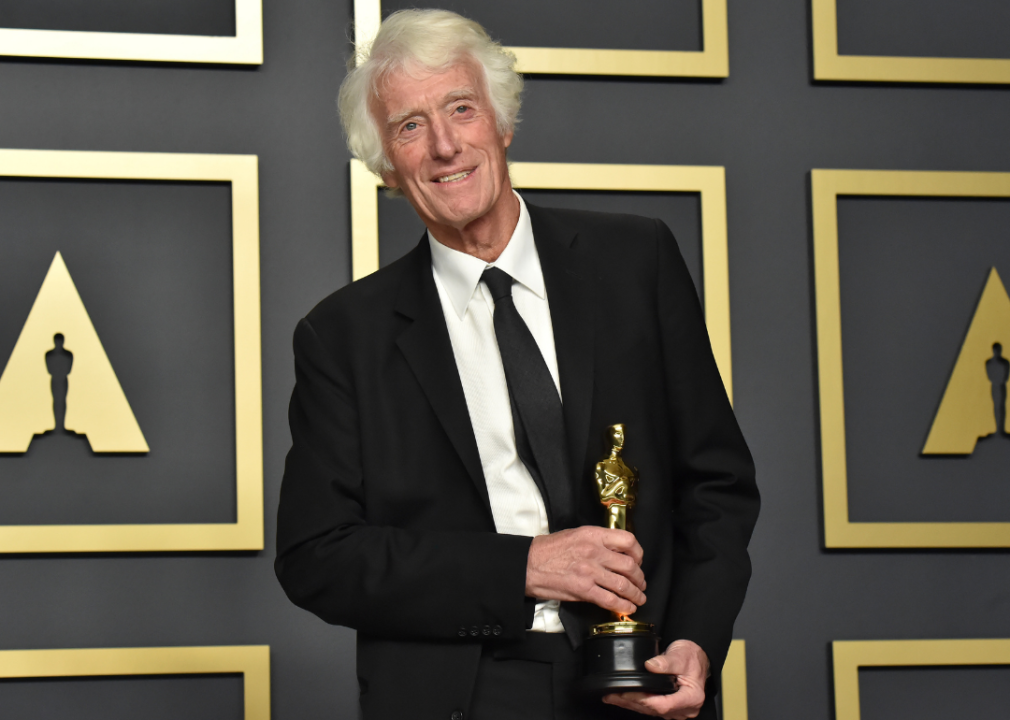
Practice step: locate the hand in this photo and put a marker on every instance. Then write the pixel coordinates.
(689, 663)
(590, 564)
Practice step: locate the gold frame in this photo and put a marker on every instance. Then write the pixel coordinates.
(850, 655)
(734, 682)
(712, 61)
(247, 532)
(829, 65)
(708, 181)
(252, 661)
(244, 48)
(826, 186)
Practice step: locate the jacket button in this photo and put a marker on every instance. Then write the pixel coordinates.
(461, 632)
(486, 630)
(497, 630)
(457, 715)
(474, 631)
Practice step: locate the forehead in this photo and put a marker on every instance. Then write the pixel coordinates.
(419, 88)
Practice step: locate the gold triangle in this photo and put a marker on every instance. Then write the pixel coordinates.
(96, 404)
(966, 411)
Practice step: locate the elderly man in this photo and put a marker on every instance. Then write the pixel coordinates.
(450, 408)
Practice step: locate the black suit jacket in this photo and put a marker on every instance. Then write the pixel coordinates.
(385, 524)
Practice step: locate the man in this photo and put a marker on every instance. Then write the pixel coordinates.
(450, 408)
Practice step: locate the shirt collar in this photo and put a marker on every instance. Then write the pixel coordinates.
(460, 273)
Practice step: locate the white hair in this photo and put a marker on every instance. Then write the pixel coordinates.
(434, 40)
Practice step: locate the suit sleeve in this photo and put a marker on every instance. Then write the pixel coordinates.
(716, 500)
(388, 582)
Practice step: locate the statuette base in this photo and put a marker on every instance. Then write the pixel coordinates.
(614, 655)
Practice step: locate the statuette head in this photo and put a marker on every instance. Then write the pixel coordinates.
(615, 434)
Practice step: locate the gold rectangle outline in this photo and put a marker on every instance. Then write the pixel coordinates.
(252, 661)
(850, 655)
(826, 186)
(734, 682)
(244, 48)
(708, 181)
(829, 65)
(242, 172)
(712, 61)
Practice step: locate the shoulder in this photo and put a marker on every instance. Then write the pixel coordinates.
(611, 242)
(362, 305)
(593, 225)
(631, 238)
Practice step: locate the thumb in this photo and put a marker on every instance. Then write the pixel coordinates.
(659, 664)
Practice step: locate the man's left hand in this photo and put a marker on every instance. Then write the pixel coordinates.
(689, 663)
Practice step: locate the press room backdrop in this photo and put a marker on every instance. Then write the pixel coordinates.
(862, 538)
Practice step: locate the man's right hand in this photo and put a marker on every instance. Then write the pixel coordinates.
(588, 564)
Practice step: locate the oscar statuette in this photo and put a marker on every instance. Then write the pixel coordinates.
(615, 652)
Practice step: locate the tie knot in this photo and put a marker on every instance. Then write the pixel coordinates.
(498, 282)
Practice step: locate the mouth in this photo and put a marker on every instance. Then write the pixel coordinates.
(455, 177)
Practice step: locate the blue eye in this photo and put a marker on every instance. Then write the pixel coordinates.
(410, 126)
(461, 109)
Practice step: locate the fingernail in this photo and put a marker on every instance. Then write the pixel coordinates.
(652, 663)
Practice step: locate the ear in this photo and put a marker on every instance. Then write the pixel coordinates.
(389, 178)
(507, 138)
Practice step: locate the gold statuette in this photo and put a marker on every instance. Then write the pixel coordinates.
(617, 484)
(616, 481)
(616, 651)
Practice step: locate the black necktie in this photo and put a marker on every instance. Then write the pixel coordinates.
(536, 406)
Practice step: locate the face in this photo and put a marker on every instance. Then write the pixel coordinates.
(440, 135)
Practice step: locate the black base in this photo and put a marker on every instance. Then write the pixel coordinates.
(627, 682)
(616, 663)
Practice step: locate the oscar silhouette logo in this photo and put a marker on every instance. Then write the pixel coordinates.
(59, 376)
(974, 403)
(59, 362)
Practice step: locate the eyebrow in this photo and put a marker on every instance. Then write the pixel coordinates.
(451, 96)
(459, 94)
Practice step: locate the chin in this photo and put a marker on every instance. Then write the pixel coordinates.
(461, 217)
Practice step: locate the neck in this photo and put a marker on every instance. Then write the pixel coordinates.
(486, 237)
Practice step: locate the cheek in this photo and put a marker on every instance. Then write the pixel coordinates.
(407, 161)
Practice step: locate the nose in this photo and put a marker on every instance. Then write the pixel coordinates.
(444, 140)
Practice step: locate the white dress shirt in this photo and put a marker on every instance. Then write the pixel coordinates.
(516, 503)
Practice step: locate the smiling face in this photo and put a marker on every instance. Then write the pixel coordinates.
(440, 135)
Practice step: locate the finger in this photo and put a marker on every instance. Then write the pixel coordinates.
(618, 563)
(608, 601)
(665, 665)
(621, 586)
(630, 701)
(682, 658)
(623, 541)
(685, 703)
(633, 697)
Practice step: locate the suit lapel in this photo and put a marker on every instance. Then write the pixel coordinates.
(426, 346)
(570, 282)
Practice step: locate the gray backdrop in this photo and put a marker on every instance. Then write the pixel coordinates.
(151, 261)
